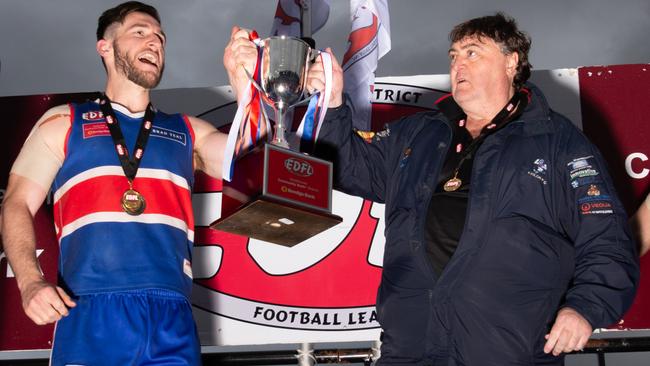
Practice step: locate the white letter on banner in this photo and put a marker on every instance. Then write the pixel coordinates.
(628, 165)
(207, 207)
(376, 252)
(207, 261)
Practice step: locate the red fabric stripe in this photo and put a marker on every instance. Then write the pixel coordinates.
(254, 114)
(67, 134)
(192, 136)
(106, 193)
(205, 183)
(189, 127)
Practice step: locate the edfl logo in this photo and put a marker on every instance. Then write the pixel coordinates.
(299, 167)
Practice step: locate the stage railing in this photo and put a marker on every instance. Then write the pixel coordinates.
(330, 355)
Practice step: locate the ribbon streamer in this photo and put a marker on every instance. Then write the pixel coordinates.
(313, 119)
(250, 116)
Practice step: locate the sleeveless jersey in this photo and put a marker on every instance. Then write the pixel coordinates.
(102, 248)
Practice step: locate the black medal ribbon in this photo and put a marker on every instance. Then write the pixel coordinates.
(133, 202)
(512, 110)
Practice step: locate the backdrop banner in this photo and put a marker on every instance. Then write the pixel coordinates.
(249, 292)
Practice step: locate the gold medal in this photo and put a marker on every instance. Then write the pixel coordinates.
(133, 202)
(453, 183)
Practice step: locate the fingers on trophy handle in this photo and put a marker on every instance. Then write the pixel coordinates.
(314, 54)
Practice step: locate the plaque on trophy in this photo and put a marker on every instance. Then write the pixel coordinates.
(276, 194)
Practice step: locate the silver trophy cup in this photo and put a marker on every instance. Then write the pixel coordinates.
(283, 75)
(278, 195)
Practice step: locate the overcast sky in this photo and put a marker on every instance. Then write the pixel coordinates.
(48, 46)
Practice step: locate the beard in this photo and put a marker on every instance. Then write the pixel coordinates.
(145, 79)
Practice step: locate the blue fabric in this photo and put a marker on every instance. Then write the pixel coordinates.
(537, 236)
(308, 129)
(135, 258)
(169, 137)
(128, 328)
(105, 256)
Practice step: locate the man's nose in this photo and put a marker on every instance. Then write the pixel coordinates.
(457, 63)
(154, 41)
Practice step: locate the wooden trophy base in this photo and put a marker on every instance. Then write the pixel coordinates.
(276, 222)
(278, 195)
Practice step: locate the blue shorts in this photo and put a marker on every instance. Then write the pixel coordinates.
(128, 328)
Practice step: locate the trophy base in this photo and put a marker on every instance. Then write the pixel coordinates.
(278, 195)
(275, 222)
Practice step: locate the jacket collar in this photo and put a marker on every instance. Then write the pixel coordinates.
(535, 118)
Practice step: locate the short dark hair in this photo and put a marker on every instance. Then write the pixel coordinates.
(503, 30)
(118, 13)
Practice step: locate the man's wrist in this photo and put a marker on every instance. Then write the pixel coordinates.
(337, 104)
(26, 280)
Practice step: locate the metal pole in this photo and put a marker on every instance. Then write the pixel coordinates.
(305, 355)
(305, 18)
(376, 350)
(305, 23)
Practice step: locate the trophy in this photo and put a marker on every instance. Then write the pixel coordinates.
(276, 194)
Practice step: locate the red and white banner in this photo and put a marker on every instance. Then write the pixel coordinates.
(288, 14)
(369, 40)
(323, 290)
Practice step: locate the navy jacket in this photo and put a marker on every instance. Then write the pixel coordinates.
(544, 229)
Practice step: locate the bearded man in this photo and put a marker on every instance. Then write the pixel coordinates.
(122, 209)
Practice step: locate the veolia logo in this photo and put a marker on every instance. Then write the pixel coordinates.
(299, 167)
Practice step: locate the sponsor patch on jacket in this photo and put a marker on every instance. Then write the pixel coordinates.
(581, 168)
(594, 202)
(539, 169)
(369, 136)
(594, 195)
(579, 182)
(596, 208)
(165, 133)
(95, 129)
(366, 135)
(593, 190)
(405, 157)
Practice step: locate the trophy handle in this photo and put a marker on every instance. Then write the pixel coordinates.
(313, 54)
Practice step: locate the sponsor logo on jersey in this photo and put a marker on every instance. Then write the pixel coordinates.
(168, 134)
(92, 116)
(95, 129)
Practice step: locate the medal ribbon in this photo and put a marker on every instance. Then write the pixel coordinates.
(519, 100)
(129, 165)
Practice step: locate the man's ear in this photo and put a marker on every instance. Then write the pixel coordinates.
(512, 60)
(104, 47)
